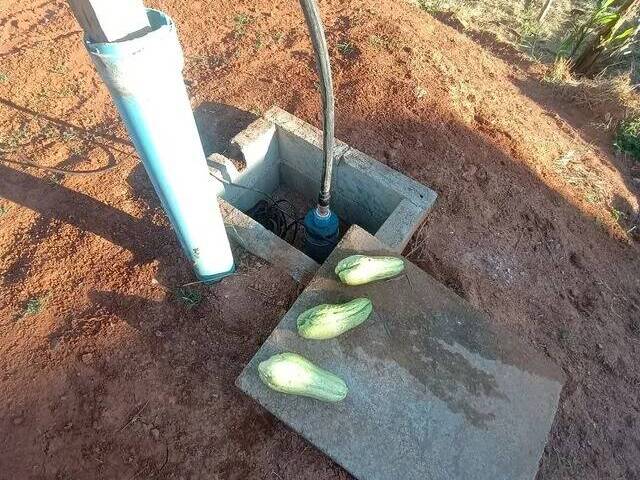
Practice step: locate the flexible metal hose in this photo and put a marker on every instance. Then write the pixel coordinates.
(316, 30)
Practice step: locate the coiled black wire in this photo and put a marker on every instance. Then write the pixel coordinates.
(271, 213)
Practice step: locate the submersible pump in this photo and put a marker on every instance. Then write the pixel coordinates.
(320, 223)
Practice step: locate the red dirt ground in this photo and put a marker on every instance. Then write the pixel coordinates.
(114, 377)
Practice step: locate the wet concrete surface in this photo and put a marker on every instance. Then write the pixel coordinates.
(435, 389)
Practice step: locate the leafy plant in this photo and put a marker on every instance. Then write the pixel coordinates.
(628, 137)
(608, 31)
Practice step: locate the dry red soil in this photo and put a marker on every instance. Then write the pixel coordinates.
(114, 377)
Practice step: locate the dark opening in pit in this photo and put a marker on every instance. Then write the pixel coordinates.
(283, 214)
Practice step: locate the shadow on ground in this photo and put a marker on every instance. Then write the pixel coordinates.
(499, 236)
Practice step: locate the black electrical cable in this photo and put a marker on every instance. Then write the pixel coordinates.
(316, 30)
(269, 213)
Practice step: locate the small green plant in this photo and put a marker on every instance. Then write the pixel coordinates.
(33, 307)
(258, 44)
(380, 41)
(189, 298)
(240, 23)
(432, 6)
(617, 215)
(3, 210)
(628, 137)
(3, 77)
(346, 48)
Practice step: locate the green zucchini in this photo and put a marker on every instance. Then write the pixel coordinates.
(329, 321)
(293, 374)
(363, 269)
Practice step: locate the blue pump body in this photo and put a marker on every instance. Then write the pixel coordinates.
(321, 234)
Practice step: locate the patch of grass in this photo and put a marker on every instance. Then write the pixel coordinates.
(346, 48)
(189, 298)
(68, 135)
(258, 44)
(560, 72)
(570, 168)
(432, 6)
(240, 23)
(33, 307)
(381, 41)
(591, 197)
(617, 215)
(14, 139)
(628, 137)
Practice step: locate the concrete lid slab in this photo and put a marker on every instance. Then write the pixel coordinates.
(436, 391)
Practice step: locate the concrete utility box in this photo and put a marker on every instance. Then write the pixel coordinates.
(280, 150)
(436, 390)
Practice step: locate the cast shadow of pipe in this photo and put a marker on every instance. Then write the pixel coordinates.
(218, 123)
(56, 204)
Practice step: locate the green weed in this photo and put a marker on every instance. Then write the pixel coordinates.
(3, 78)
(189, 298)
(617, 215)
(33, 307)
(432, 6)
(258, 44)
(346, 48)
(380, 41)
(240, 23)
(628, 137)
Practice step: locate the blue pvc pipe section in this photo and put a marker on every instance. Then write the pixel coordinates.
(144, 76)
